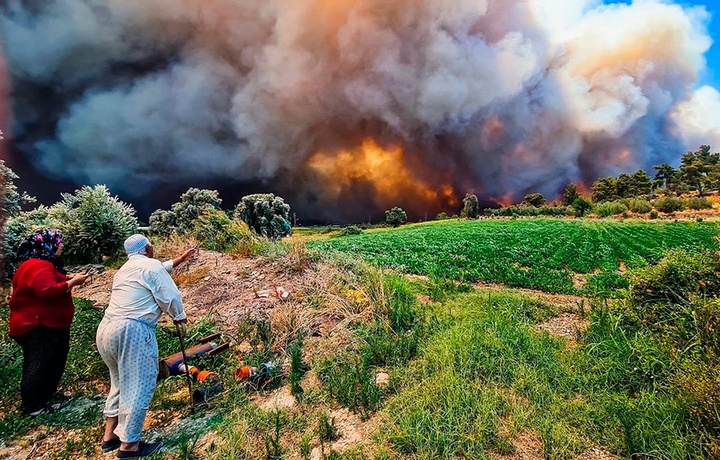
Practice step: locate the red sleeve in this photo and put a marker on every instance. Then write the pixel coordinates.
(45, 286)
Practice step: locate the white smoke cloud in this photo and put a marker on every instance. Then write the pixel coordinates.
(698, 118)
(496, 96)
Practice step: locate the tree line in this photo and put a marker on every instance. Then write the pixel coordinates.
(699, 172)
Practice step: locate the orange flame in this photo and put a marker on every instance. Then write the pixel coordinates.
(505, 200)
(383, 169)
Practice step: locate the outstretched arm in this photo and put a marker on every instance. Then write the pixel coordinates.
(187, 255)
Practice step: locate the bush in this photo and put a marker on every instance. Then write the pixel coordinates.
(610, 209)
(581, 206)
(676, 279)
(11, 200)
(351, 230)
(163, 222)
(94, 224)
(442, 216)
(217, 232)
(266, 214)
(16, 230)
(699, 203)
(639, 206)
(183, 214)
(528, 211)
(669, 204)
(535, 199)
(395, 216)
(654, 214)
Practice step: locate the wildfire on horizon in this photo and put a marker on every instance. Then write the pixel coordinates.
(382, 170)
(345, 106)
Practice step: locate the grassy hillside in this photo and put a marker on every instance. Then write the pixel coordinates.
(375, 365)
(538, 254)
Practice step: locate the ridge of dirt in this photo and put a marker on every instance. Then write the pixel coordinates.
(234, 288)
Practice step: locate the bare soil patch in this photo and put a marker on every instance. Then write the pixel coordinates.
(568, 325)
(597, 454)
(527, 446)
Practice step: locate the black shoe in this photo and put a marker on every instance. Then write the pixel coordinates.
(144, 449)
(111, 445)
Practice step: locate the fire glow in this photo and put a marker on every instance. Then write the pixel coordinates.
(383, 169)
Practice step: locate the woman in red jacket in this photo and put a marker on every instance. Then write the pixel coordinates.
(41, 312)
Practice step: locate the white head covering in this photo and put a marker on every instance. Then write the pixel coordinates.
(135, 244)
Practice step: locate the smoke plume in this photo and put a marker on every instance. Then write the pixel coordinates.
(347, 106)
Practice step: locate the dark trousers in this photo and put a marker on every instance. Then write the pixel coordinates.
(45, 352)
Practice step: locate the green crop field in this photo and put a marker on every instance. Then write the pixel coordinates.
(537, 254)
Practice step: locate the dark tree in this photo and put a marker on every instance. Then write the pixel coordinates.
(471, 206)
(395, 216)
(665, 175)
(581, 206)
(641, 184)
(699, 169)
(605, 189)
(570, 195)
(535, 199)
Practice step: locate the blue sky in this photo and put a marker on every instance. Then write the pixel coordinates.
(712, 75)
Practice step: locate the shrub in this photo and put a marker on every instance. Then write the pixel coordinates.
(94, 223)
(654, 214)
(699, 203)
(444, 216)
(11, 200)
(183, 214)
(266, 214)
(395, 216)
(676, 278)
(527, 211)
(608, 209)
(581, 206)
(639, 206)
(535, 199)
(215, 231)
(163, 222)
(16, 230)
(669, 204)
(350, 230)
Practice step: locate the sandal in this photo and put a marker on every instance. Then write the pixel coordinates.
(63, 395)
(47, 410)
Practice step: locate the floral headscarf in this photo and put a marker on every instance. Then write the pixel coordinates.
(43, 244)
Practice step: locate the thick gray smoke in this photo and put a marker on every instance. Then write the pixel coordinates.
(499, 97)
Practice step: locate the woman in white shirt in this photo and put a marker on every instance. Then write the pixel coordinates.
(142, 291)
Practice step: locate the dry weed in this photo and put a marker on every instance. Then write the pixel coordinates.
(288, 321)
(173, 245)
(188, 277)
